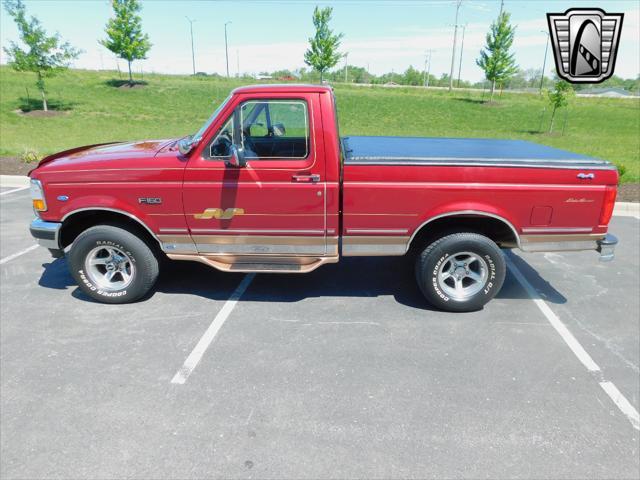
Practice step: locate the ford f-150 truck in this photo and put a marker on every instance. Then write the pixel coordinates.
(268, 185)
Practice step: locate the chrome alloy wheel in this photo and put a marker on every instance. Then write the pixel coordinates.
(109, 268)
(462, 275)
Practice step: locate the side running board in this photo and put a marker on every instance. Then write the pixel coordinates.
(270, 264)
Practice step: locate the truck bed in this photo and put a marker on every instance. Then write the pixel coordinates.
(462, 152)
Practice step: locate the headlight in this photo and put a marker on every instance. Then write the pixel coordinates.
(37, 196)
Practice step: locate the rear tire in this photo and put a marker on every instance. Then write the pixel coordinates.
(460, 272)
(112, 265)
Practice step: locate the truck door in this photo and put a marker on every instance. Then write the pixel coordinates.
(275, 205)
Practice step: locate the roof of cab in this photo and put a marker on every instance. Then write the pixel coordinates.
(283, 88)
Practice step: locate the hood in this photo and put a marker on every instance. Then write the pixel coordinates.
(129, 151)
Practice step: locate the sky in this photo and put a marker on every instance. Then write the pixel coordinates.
(270, 35)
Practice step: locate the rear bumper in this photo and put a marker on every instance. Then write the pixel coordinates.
(46, 233)
(603, 244)
(606, 247)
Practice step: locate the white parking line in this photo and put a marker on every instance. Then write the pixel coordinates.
(196, 354)
(16, 255)
(19, 189)
(618, 398)
(555, 322)
(622, 403)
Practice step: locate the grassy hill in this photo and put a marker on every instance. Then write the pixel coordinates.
(169, 105)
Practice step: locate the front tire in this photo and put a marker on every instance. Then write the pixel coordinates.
(460, 272)
(112, 265)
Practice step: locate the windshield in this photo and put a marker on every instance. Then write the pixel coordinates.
(198, 135)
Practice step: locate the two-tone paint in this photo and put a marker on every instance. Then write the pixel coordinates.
(306, 212)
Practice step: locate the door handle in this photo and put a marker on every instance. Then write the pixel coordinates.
(584, 176)
(313, 178)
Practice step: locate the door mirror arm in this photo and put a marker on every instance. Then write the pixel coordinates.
(186, 144)
(236, 157)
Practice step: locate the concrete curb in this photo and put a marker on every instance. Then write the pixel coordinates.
(627, 209)
(14, 181)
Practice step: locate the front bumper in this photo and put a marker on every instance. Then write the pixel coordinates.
(606, 247)
(46, 233)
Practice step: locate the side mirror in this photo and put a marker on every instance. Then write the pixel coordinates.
(236, 157)
(279, 130)
(184, 145)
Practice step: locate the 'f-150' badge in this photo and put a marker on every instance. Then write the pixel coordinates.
(219, 214)
(585, 43)
(149, 200)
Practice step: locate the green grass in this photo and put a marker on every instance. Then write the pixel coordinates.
(170, 106)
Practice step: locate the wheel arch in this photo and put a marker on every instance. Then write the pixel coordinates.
(76, 221)
(494, 226)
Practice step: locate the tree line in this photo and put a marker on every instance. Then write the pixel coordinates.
(496, 60)
(523, 79)
(46, 55)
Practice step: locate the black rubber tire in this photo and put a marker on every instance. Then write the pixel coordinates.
(146, 263)
(430, 259)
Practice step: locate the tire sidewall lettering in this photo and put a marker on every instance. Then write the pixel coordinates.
(99, 291)
(434, 277)
(492, 275)
(86, 281)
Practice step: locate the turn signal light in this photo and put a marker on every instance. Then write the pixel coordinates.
(37, 196)
(608, 204)
(39, 205)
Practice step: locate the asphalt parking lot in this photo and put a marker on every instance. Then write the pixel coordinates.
(342, 373)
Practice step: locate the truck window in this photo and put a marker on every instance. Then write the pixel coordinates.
(199, 134)
(220, 147)
(275, 129)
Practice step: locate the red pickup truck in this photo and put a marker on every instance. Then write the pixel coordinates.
(268, 185)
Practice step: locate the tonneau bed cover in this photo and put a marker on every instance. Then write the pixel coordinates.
(462, 152)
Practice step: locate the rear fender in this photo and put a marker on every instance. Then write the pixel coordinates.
(467, 209)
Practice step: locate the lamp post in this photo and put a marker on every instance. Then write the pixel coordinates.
(193, 55)
(346, 67)
(427, 69)
(453, 50)
(544, 62)
(226, 47)
(464, 27)
(424, 76)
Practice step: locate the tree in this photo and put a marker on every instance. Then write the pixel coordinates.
(46, 56)
(496, 61)
(558, 98)
(124, 33)
(412, 76)
(443, 81)
(323, 46)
